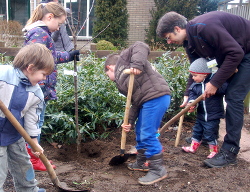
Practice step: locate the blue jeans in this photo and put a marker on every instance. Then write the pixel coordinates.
(148, 123)
(237, 90)
(206, 130)
(16, 158)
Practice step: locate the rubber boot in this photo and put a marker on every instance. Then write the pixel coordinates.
(189, 141)
(213, 151)
(36, 162)
(193, 147)
(157, 170)
(140, 163)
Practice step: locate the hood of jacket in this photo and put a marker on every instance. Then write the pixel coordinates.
(38, 23)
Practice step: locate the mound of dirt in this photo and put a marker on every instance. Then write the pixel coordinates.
(186, 172)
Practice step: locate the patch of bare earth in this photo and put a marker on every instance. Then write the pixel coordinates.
(186, 172)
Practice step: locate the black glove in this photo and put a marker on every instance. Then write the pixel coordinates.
(72, 55)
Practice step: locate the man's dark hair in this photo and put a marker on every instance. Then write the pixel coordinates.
(168, 21)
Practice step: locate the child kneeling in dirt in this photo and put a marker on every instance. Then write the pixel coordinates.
(209, 111)
(21, 94)
(150, 100)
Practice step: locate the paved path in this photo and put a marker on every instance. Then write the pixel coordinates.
(244, 142)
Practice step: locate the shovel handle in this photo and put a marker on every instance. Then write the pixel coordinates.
(33, 145)
(127, 108)
(182, 112)
(177, 140)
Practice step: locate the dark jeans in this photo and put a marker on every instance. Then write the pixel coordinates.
(237, 90)
(206, 130)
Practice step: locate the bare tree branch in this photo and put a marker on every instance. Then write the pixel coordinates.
(95, 36)
(86, 17)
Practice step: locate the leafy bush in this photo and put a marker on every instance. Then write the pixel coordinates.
(114, 14)
(105, 45)
(101, 106)
(175, 71)
(189, 9)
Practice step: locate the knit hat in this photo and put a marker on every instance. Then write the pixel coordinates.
(199, 66)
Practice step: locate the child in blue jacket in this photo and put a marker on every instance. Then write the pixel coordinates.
(209, 111)
(21, 94)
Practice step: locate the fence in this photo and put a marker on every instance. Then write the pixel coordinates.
(243, 11)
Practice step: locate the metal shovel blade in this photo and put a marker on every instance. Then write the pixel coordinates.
(119, 159)
(59, 185)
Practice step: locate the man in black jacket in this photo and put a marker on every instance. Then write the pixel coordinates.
(225, 38)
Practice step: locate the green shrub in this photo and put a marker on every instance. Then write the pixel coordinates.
(114, 14)
(101, 106)
(175, 71)
(105, 45)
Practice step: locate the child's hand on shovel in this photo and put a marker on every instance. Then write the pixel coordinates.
(192, 108)
(37, 153)
(126, 128)
(135, 71)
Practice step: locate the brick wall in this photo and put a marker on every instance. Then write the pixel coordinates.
(139, 17)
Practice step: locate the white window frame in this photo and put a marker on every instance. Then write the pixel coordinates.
(87, 37)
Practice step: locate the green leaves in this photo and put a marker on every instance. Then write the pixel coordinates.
(175, 71)
(101, 106)
(114, 13)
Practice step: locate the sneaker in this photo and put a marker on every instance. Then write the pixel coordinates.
(221, 159)
(41, 190)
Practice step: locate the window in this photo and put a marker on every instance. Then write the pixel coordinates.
(18, 10)
(86, 18)
(2, 10)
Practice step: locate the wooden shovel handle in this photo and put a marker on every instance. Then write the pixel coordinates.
(178, 135)
(127, 108)
(176, 117)
(33, 145)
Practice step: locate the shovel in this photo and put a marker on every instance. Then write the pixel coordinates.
(60, 186)
(120, 159)
(176, 117)
(178, 135)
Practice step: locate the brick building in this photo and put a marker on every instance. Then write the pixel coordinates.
(139, 17)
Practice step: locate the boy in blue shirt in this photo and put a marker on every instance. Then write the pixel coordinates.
(21, 94)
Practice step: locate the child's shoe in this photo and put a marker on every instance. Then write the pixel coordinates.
(140, 163)
(213, 151)
(36, 162)
(157, 170)
(41, 190)
(193, 147)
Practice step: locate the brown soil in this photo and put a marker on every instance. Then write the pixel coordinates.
(186, 172)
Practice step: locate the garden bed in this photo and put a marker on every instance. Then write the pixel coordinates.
(186, 171)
